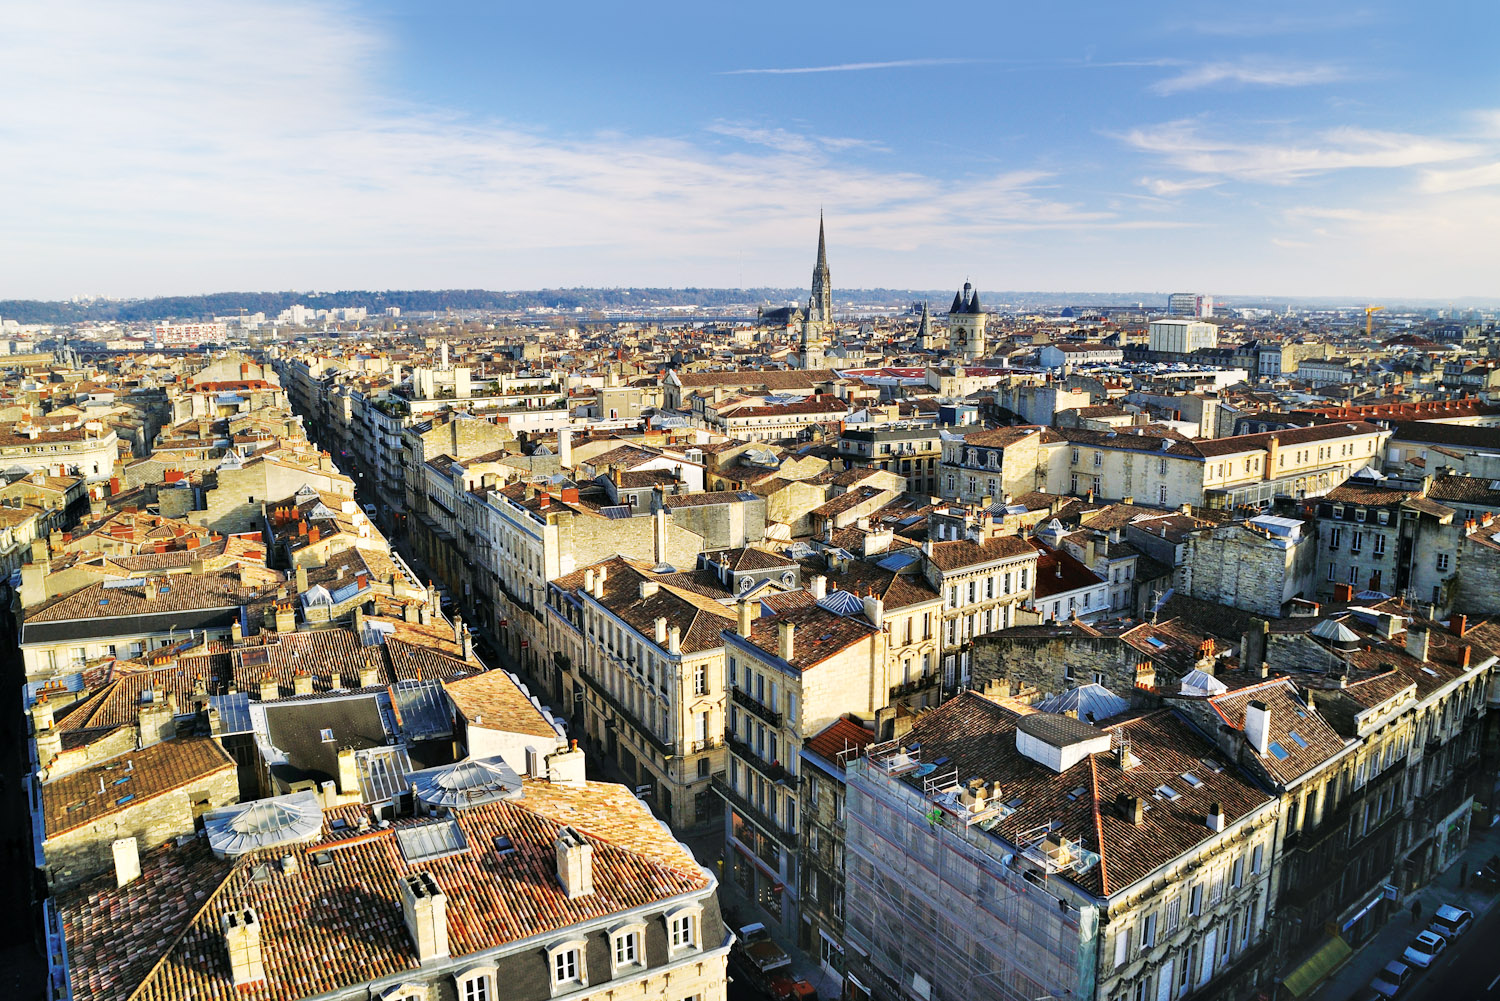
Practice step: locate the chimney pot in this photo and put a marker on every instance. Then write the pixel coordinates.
(575, 863)
(425, 908)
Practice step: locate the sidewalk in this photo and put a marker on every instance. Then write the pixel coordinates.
(1392, 940)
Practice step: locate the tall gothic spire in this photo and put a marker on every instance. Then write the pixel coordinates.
(820, 304)
(822, 245)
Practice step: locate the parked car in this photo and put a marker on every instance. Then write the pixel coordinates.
(1427, 946)
(1450, 922)
(1391, 981)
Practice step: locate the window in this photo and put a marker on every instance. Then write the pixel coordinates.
(476, 985)
(627, 950)
(1356, 542)
(1255, 859)
(1195, 900)
(1379, 545)
(1442, 561)
(1334, 536)
(1333, 571)
(1238, 871)
(700, 680)
(565, 967)
(1148, 932)
(682, 930)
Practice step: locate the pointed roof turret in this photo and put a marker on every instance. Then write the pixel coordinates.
(958, 303)
(924, 329)
(822, 247)
(974, 306)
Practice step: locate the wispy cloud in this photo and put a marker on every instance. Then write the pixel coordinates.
(1248, 73)
(1166, 187)
(1443, 181)
(281, 162)
(894, 64)
(1182, 145)
(793, 142)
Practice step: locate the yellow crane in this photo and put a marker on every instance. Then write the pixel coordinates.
(1370, 312)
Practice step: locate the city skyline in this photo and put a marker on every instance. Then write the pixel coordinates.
(1347, 153)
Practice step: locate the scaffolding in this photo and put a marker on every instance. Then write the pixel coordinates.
(939, 907)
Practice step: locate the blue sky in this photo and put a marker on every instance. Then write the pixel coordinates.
(1303, 149)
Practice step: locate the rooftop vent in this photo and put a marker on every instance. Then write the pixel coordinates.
(1058, 741)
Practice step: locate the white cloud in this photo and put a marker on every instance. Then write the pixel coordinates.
(847, 67)
(1182, 145)
(250, 145)
(1166, 187)
(1440, 181)
(1256, 73)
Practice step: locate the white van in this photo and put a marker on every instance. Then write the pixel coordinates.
(1450, 922)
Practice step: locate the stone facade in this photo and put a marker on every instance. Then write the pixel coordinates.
(1239, 566)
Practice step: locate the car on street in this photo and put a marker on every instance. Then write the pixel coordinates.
(1427, 946)
(1450, 922)
(1391, 980)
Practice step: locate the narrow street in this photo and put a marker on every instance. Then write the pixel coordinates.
(22, 965)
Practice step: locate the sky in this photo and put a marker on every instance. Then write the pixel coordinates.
(1322, 149)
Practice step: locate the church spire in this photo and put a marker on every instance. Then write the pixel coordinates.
(822, 246)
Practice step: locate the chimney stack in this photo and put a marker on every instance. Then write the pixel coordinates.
(660, 627)
(575, 863)
(1258, 726)
(302, 683)
(425, 907)
(746, 617)
(819, 587)
(566, 767)
(1417, 643)
(674, 640)
(1215, 819)
(241, 930)
(127, 860)
(785, 632)
(270, 689)
(348, 772)
(301, 579)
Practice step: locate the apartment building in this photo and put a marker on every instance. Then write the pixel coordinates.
(1259, 565)
(89, 450)
(644, 676)
(983, 577)
(914, 452)
(997, 463)
(998, 851)
(789, 675)
(443, 903)
(1387, 538)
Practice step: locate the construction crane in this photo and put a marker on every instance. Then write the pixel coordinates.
(1370, 312)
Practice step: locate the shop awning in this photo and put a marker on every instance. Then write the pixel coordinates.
(1317, 966)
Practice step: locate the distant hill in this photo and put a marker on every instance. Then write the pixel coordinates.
(202, 307)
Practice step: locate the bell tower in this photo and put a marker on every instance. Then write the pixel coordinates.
(966, 321)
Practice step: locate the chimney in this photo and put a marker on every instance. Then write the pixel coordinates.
(649, 588)
(302, 683)
(1124, 756)
(575, 863)
(674, 640)
(48, 746)
(565, 448)
(468, 646)
(458, 630)
(369, 675)
(1458, 625)
(286, 617)
(241, 930)
(660, 625)
(301, 579)
(566, 767)
(127, 860)
(269, 689)
(425, 907)
(819, 587)
(746, 616)
(42, 714)
(588, 580)
(1416, 643)
(348, 771)
(236, 632)
(1132, 809)
(1258, 726)
(874, 611)
(154, 722)
(784, 646)
(1215, 818)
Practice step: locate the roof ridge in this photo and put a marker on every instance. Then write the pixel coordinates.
(1098, 826)
(182, 933)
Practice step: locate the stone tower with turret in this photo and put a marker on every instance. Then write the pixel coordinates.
(818, 323)
(966, 320)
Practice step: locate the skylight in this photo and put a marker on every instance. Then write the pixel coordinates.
(430, 841)
(1279, 751)
(1192, 779)
(1156, 642)
(325, 735)
(1298, 738)
(1167, 793)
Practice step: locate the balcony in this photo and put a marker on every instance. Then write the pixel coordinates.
(742, 805)
(758, 709)
(912, 687)
(623, 716)
(770, 769)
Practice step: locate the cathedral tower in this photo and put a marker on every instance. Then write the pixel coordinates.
(818, 323)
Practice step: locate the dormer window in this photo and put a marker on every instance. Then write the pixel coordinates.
(476, 984)
(567, 961)
(682, 930)
(627, 949)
